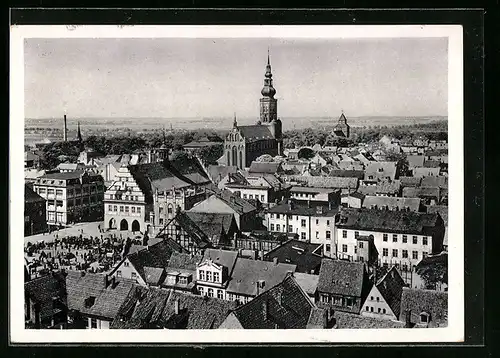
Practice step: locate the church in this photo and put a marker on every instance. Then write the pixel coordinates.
(244, 144)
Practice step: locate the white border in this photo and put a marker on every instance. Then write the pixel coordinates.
(455, 330)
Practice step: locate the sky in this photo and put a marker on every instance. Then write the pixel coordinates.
(194, 78)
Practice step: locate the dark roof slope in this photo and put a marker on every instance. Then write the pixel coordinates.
(341, 277)
(184, 261)
(43, 289)
(287, 307)
(434, 303)
(255, 132)
(303, 254)
(390, 287)
(264, 167)
(225, 258)
(388, 220)
(212, 223)
(31, 196)
(299, 208)
(345, 320)
(360, 174)
(195, 232)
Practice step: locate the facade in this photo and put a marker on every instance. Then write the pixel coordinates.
(266, 189)
(401, 238)
(35, 212)
(314, 224)
(31, 160)
(342, 129)
(125, 206)
(71, 197)
(321, 195)
(246, 143)
(213, 273)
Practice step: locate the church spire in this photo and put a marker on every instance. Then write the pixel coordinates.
(235, 122)
(79, 135)
(268, 89)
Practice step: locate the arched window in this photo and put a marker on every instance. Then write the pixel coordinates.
(241, 160)
(235, 156)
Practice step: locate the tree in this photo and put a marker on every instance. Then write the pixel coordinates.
(210, 154)
(433, 274)
(400, 158)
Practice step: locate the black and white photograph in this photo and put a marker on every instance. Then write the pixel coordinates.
(301, 182)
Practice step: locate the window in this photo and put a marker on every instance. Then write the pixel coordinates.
(110, 207)
(278, 227)
(344, 248)
(303, 223)
(328, 234)
(356, 234)
(201, 291)
(210, 291)
(302, 235)
(324, 298)
(424, 254)
(360, 244)
(394, 253)
(50, 191)
(138, 210)
(220, 294)
(160, 221)
(378, 299)
(424, 240)
(378, 310)
(371, 309)
(272, 216)
(424, 317)
(132, 208)
(134, 275)
(395, 238)
(327, 248)
(317, 234)
(385, 252)
(290, 228)
(317, 221)
(405, 239)
(415, 240)
(367, 308)
(250, 196)
(93, 323)
(115, 208)
(383, 310)
(272, 227)
(230, 297)
(59, 192)
(244, 196)
(201, 275)
(209, 275)
(344, 234)
(277, 216)
(118, 273)
(41, 191)
(328, 223)
(349, 302)
(405, 254)
(371, 298)
(126, 209)
(262, 198)
(385, 237)
(121, 208)
(216, 277)
(355, 249)
(126, 264)
(415, 255)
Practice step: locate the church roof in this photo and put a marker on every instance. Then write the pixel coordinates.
(255, 132)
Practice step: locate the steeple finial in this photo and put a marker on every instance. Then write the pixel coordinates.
(268, 62)
(235, 123)
(79, 135)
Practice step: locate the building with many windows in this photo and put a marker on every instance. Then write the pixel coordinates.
(401, 238)
(35, 212)
(72, 197)
(314, 224)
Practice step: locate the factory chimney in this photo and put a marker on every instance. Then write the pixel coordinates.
(65, 130)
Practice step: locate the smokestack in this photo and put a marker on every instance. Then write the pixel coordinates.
(65, 130)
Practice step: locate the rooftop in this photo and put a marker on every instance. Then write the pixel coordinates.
(301, 209)
(434, 303)
(341, 277)
(413, 204)
(306, 256)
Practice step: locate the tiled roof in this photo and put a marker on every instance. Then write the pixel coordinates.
(432, 164)
(441, 258)
(435, 181)
(387, 220)
(107, 300)
(415, 160)
(401, 203)
(303, 254)
(264, 167)
(344, 320)
(423, 172)
(64, 176)
(341, 277)
(301, 209)
(195, 232)
(218, 172)
(213, 223)
(390, 287)
(255, 132)
(30, 156)
(238, 204)
(156, 255)
(360, 174)
(30, 196)
(286, 307)
(153, 275)
(184, 261)
(307, 281)
(43, 289)
(306, 189)
(225, 258)
(411, 192)
(442, 210)
(388, 169)
(326, 182)
(410, 181)
(358, 195)
(316, 318)
(246, 273)
(435, 303)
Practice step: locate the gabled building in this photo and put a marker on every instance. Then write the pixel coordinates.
(285, 306)
(225, 202)
(384, 299)
(267, 189)
(264, 168)
(342, 285)
(376, 171)
(315, 195)
(35, 212)
(342, 129)
(392, 203)
(381, 188)
(31, 160)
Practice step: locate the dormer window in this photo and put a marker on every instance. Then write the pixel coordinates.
(424, 317)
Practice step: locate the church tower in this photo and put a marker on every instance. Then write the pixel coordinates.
(268, 104)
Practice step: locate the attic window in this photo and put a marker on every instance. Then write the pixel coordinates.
(89, 301)
(424, 317)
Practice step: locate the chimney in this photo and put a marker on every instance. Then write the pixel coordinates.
(275, 261)
(113, 281)
(258, 287)
(408, 319)
(308, 203)
(176, 306)
(65, 130)
(265, 309)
